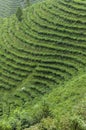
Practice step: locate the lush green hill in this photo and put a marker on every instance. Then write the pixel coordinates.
(38, 55)
(9, 7)
(67, 103)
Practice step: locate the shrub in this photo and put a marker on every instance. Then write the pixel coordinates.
(48, 124)
(46, 110)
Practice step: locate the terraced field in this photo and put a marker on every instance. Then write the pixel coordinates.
(9, 7)
(42, 52)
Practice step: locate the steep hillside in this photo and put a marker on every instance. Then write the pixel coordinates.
(9, 7)
(40, 53)
(67, 103)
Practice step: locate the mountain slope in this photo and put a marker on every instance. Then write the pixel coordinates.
(42, 52)
(9, 7)
(67, 103)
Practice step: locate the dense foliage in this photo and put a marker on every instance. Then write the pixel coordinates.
(43, 66)
(9, 7)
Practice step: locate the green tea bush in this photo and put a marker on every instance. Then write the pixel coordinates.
(77, 119)
(48, 124)
(77, 124)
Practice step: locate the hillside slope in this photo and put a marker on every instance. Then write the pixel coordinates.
(9, 7)
(42, 52)
(66, 103)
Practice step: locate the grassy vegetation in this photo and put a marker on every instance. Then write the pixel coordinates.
(67, 104)
(43, 65)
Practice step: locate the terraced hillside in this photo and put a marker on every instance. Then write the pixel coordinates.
(41, 53)
(9, 7)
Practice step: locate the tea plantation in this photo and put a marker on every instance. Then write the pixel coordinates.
(9, 7)
(43, 66)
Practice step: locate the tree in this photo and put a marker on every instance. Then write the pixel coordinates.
(28, 2)
(45, 110)
(19, 14)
